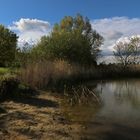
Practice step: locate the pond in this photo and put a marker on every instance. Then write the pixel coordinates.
(118, 116)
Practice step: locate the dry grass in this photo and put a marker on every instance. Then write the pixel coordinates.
(37, 118)
(40, 74)
(36, 75)
(83, 95)
(54, 75)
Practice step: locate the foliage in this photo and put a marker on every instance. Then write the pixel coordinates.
(72, 40)
(22, 56)
(8, 44)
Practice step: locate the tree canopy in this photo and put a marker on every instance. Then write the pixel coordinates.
(8, 44)
(73, 39)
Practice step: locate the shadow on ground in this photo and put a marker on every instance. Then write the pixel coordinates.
(27, 116)
(37, 102)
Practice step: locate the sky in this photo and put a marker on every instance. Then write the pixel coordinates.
(31, 19)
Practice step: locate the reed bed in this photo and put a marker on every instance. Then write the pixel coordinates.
(55, 75)
(82, 95)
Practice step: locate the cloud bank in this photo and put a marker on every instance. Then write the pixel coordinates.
(30, 30)
(114, 29)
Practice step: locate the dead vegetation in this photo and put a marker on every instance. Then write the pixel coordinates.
(37, 118)
(82, 95)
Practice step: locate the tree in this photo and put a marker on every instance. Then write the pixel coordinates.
(73, 39)
(8, 44)
(23, 55)
(128, 52)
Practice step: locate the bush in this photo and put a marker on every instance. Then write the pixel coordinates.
(8, 88)
(12, 88)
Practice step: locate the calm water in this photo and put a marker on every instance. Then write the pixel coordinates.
(117, 118)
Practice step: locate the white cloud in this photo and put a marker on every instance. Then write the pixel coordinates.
(30, 30)
(112, 29)
(116, 28)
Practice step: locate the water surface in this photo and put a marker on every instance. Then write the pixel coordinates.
(118, 116)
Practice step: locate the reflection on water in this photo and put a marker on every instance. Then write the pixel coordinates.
(118, 118)
(121, 100)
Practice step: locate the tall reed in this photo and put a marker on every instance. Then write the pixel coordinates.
(55, 75)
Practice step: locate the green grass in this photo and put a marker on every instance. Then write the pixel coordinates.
(4, 70)
(6, 73)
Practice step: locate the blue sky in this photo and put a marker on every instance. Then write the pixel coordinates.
(54, 10)
(114, 19)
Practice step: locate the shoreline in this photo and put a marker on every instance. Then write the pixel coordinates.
(38, 118)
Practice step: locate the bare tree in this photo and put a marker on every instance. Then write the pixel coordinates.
(135, 45)
(128, 52)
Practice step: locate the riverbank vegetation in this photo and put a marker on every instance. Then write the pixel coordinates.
(66, 57)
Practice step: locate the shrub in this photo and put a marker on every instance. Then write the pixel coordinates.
(8, 88)
(12, 88)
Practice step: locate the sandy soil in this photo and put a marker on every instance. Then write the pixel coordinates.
(37, 118)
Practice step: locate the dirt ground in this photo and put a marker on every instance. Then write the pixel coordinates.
(37, 118)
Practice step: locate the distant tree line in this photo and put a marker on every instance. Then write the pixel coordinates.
(73, 40)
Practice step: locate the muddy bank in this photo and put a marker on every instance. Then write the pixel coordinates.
(37, 118)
